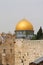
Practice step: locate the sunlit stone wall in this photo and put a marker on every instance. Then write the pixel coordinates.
(27, 51)
(7, 53)
(20, 51)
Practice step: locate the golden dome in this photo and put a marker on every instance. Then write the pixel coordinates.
(24, 25)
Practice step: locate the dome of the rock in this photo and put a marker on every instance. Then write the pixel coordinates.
(24, 29)
(24, 25)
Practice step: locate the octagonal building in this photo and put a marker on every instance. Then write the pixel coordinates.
(24, 29)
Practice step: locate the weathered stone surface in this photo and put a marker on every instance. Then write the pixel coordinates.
(20, 51)
(27, 51)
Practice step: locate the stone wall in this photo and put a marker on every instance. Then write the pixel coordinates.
(27, 51)
(20, 51)
(7, 53)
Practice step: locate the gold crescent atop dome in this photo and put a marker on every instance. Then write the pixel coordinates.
(24, 25)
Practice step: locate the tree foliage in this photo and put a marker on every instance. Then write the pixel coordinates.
(39, 34)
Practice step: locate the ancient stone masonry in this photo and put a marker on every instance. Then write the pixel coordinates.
(27, 51)
(20, 51)
(7, 52)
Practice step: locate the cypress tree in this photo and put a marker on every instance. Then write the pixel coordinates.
(39, 33)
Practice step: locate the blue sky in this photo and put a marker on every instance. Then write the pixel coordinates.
(11, 11)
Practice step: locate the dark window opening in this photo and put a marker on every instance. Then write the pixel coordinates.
(4, 50)
(11, 50)
(21, 61)
(7, 64)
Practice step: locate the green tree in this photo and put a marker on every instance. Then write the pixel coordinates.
(39, 33)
